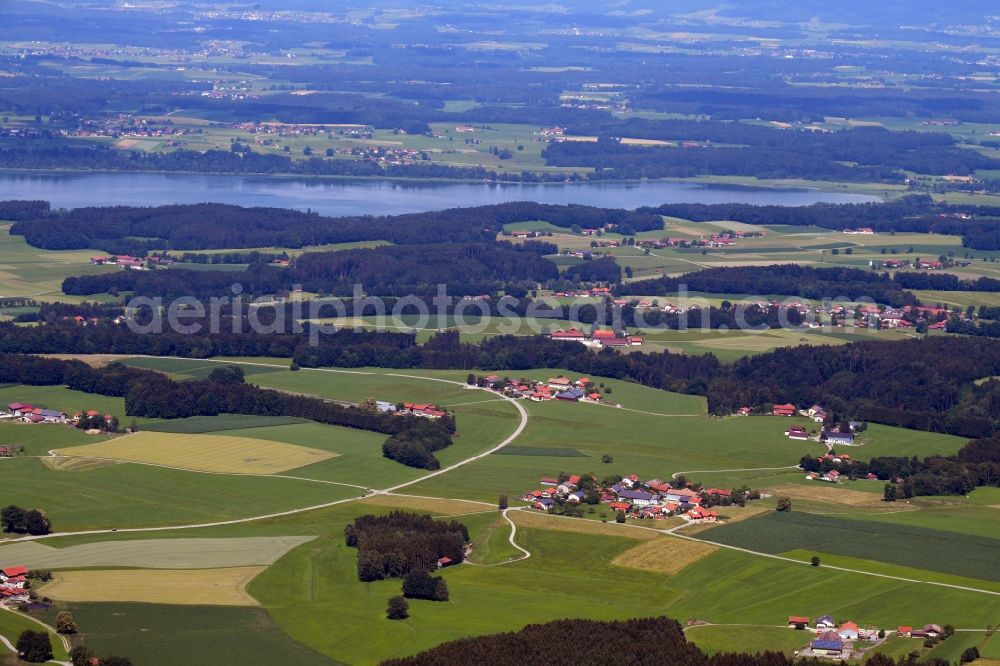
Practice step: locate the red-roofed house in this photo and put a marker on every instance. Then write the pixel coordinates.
(784, 410)
(796, 619)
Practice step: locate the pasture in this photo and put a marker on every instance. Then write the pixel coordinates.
(196, 587)
(223, 454)
(161, 634)
(183, 553)
(67, 400)
(233, 422)
(121, 496)
(34, 272)
(713, 639)
(915, 547)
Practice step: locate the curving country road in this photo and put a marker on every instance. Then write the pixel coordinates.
(522, 424)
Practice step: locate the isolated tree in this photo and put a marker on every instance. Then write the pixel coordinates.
(470, 379)
(399, 608)
(65, 623)
(889, 495)
(36, 522)
(784, 504)
(619, 517)
(970, 655)
(81, 655)
(34, 646)
(607, 458)
(949, 630)
(814, 560)
(503, 503)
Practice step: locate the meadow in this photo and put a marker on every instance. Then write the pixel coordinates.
(915, 547)
(32, 272)
(124, 495)
(12, 624)
(67, 400)
(161, 634)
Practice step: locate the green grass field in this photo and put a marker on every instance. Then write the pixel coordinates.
(713, 639)
(230, 422)
(125, 495)
(156, 634)
(67, 400)
(915, 547)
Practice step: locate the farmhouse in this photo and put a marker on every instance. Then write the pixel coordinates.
(833, 476)
(783, 410)
(848, 631)
(825, 622)
(796, 619)
(904, 631)
(700, 515)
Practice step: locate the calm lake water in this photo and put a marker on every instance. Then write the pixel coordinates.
(351, 197)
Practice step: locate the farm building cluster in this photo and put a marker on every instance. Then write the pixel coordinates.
(27, 413)
(14, 585)
(846, 639)
(598, 338)
(129, 262)
(424, 410)
(654, 499)
(555, 388)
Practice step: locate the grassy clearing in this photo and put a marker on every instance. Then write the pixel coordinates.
(31, 271)
(492, 545)
(666, 555)
(185, 553)
(198, 587)
(203, 453)
(713, 639)
(895, 544)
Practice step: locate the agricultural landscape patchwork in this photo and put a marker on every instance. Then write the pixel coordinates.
(426, 332)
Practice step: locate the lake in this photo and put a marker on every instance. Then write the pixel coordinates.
(377, 197)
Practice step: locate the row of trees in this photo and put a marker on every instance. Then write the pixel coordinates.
(137, 230)
(393, 545)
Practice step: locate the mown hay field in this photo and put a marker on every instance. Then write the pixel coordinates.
(666, 555)
(187, 553)
(203, 453)
(199, 587)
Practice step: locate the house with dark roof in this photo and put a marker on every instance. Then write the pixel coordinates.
(835, 437)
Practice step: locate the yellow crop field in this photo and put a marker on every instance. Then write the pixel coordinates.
(664, 555)
(202, 453)
(201, 587)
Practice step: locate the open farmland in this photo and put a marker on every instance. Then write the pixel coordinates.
(34, 272)
(120, 496)
(713, 639)
(184, 553)
(666, 555)
(201, 424)
(896, 544)
(168, 634)
(197, 587)
(202, 453)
